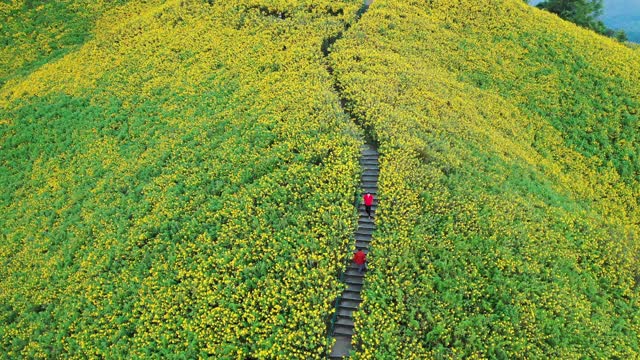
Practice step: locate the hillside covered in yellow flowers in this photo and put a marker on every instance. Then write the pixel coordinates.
(178, 180)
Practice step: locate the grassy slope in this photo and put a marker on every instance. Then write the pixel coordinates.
(181, 184)
(509, 182)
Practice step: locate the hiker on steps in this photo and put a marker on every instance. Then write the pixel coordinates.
(368, 202)
(360, 258)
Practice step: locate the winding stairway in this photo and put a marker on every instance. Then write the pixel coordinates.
(350, 299)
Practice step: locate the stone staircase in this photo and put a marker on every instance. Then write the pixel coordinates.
(350, 299)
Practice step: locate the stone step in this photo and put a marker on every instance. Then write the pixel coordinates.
(366, 239)
(363, 223)
(365, 232)
(349, 304)
(364, 246)
(351, 295)
(365, 226)
(354, 288)
(340, 330)
(369, 152)
(341, 347)
(370, 164)
(346, 322)
(366, 251)
(371, 171)
(353, 273)
(363, 236)
(367, 177)
(365, 219)
(355, 280)
(345, 313)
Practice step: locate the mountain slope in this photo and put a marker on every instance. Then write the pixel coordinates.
(178, 180)
(508, 220)
(181, 185)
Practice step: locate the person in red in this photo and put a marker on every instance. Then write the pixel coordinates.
(368, 202)
(360, 258)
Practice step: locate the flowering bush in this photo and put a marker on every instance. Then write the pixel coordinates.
(508, 220)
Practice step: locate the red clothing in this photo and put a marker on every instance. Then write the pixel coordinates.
(368, 199)
(359, 257)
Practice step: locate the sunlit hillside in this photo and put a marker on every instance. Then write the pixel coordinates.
(510, 167)
(178, 180)
(179, 183)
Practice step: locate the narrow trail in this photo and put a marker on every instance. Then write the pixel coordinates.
(350, 299)
(341, 327)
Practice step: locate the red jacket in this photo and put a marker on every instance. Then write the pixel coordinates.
(359, 257)
(368, 199)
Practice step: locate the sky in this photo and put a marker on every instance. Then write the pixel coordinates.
(620, 15)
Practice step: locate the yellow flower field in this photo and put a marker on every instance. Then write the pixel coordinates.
(179, 176)
(510, 154)
(181, 184)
